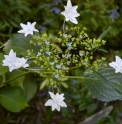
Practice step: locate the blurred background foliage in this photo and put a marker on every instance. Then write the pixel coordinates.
(96, 16)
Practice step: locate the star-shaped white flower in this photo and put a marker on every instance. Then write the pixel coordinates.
(117, 65)
(10, 60)
(56, 102)
(14, 62)
(70, 12)
(28, 29)
(21, 62)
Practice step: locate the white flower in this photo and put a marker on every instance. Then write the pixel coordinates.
(10, 60)
(81, 54)
(65, 35)
(80, 36)
(47, 42)
(56, 76)
(48, 53)
(73, 39)
(58, 66)
(70, 12)
(63, 56)
(69, 45)
(51, 63)
(38, 54)
(66, 56)
(21, 62)
(28, 29)
(14, 62)
(64, 68)
(117, 65)
(56, 102)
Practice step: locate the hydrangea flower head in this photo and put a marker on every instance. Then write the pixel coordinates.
(56, 102)
(70, 12)
(28, 29)
(117, 65)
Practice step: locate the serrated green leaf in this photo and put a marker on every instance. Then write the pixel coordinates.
(3, 69)
(30, 88)
(104, 33)
(20, 44)
(12, 99)
(104, 87)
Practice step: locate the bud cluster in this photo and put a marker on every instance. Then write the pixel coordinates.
(76, 50)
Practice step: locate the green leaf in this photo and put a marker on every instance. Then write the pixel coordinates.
(103, 86)
(104, 33)
(20, 44)
(43, 84)
(64, 84)
(18, 81)
(12, 99)
(30, 88)
(103, 50)
(3, 69)
(57, 47)
(94, 22)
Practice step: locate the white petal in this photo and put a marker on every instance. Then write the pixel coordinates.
(11, 68)
(30, 32)
(119, 60)
(26, 34)
(22, 25)
(75, 14)
(21, 31)
(52, 95)
(74, 8)
(114, 65)
(62, 104)
(69, 4)
(35, 30)
(49, 102)
(58, 107)
(73, 20)
(25, 65)
(117, 70)
(33, 24)
(12, 54)
(54, 106)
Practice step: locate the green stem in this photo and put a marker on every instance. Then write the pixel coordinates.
(64, 25)
(79, 77)
(74, 67)
(4, 78)
(17, 76)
